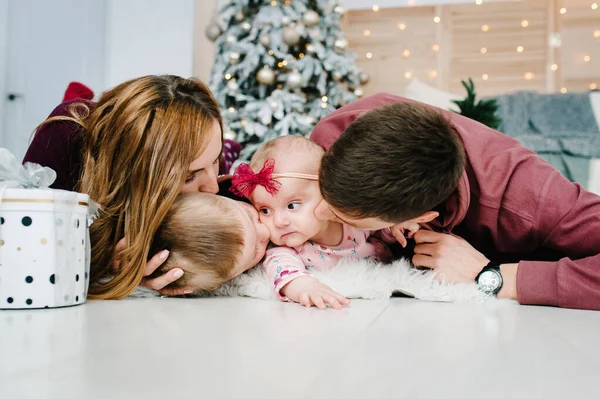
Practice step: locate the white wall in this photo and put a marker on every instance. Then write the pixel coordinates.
(43, 47)
(148, 37)
(3, 63)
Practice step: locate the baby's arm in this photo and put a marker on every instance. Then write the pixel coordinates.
(396, 233)
(292, 282)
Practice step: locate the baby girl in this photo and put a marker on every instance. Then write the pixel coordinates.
(281, 182)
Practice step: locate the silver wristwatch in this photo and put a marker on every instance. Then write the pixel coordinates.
(489, 279)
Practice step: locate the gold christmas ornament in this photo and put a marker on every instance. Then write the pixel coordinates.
(358, 93)
(337, 76)
(340, 45)
(291, 36)
(294, 80)
(239, 16)
(213, 31)
(310, 18)
(265, 40)
(266, 76)
(234, 57)
(364, 78)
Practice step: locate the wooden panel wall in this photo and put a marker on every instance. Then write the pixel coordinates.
(503, 46)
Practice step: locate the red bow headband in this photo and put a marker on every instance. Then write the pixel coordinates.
(244, 179)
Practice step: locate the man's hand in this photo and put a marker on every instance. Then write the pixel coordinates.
(158, 283)
(453, 258)
(309, 291)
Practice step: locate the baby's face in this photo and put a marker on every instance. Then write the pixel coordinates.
(256, 238)
(289, 215)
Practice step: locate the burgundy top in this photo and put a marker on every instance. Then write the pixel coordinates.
(512, 206)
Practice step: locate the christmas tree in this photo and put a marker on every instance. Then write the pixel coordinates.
(280, 66)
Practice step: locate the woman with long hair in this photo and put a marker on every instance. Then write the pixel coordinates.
(133, 152)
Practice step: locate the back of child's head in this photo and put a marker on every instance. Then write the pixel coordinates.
(204, 238)
(394, 163)
(291, 154)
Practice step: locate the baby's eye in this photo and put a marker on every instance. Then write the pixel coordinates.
(292, 206)
(265, 211)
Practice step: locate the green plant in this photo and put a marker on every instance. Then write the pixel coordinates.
(483, 111)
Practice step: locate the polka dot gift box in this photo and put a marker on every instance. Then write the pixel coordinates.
(44, 239)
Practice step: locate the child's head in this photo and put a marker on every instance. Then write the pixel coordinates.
(392, 164)
(212, 238)
(289, 213)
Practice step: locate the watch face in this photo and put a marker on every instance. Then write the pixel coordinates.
(489, 281)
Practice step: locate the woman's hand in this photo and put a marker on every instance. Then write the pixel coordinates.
(159, 283)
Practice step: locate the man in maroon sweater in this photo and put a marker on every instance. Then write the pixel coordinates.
(511, 221)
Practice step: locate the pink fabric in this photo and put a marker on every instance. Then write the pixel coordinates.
(513, 207)
(284, 264)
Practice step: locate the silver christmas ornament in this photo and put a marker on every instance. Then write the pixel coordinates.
(310, 18)
(358, 93)
(337, 76)
(231, 39)
(232, 85)
(364, 78)
(213, 31)
(246, 26)
(266, 76)
(310, 49)
(340, 45)
(274, 105)
(294, 80)
(239, 16)
(285, 20)
(265, 40)
(339, 9)
(234, 57)
(291, 36)
(230, 135)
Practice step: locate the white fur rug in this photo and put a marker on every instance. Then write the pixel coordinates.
(356, 279)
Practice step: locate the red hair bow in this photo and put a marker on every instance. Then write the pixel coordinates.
(244, 180)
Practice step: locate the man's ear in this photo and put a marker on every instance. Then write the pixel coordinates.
(426, 217)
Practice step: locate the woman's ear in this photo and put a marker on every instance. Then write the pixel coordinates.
(426, 217)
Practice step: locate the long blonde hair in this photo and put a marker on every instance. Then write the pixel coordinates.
(139, 142)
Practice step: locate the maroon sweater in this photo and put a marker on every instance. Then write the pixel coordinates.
(512, 206)
(59, 145)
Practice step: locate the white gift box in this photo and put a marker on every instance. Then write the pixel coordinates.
(44, 248)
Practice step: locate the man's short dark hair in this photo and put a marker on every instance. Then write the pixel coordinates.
(393, 163)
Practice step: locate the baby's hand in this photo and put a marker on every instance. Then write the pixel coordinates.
(309, 291)
(399, 230)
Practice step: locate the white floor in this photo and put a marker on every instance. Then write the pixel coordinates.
(247, 348)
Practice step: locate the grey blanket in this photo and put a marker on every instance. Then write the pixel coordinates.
(560, 127)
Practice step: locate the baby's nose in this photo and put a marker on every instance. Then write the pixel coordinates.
(281, 219)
